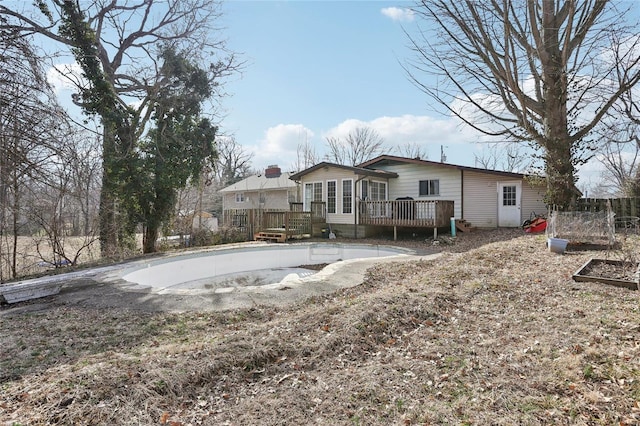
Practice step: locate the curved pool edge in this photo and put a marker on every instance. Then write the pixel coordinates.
(117, 276)
(326, 276)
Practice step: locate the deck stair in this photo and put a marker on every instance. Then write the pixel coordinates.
(274, 236)
(464, 226)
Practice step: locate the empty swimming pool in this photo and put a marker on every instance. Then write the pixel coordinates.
(226, 269)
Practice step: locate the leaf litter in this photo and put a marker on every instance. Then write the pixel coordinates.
(492, 332)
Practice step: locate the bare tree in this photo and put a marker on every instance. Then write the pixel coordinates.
(621, 130)
(306, 156)
(52, 211)
(530, 70)
(620, 155)
(29, 125)
(85, 172)
(413, 150)
(233, 162)
(506, 156)
(360, 145)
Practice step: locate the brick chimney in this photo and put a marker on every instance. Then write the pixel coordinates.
(272, 171)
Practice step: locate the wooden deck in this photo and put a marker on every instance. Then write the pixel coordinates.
(282, 226)
(295, 222)
(408, 213)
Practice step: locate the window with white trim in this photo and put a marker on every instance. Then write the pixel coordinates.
(312, 192)
(347, 196)
(239, 197)
(429, 187)
(331, 196)
(377, 191)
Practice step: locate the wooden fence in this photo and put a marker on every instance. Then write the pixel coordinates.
(291, 223)
(621, 207)
(251, 221)
(248, 221)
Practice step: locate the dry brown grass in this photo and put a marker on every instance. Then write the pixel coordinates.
(499, 334)
(34, 252)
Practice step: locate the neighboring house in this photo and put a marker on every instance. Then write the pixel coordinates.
(398, 191)
(272, 190)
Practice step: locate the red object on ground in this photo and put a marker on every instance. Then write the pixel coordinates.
(538, 224)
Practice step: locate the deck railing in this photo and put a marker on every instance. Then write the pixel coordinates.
(413, 213)
(295, 221)
(292, 223)
(319, 211)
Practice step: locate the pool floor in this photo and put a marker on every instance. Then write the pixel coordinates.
(231, 281)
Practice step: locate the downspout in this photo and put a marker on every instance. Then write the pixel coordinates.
(357, 207)
(299, 191)
(461, 197)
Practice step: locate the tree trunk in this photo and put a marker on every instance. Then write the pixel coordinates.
(107, 213)
(561, 190)
(15, 214)
(149, 239)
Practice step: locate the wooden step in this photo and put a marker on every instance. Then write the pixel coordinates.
(464, 226)
(278, 237)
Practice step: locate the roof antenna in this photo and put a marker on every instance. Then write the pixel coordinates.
(443, 157)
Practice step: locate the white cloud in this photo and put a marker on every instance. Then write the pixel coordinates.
(427, 132)
(279, 145)
(65, 77)
(398, 14)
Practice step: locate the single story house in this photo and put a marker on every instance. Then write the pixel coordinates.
(410, 192)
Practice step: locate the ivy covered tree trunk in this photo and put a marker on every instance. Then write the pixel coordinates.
(156, 205)
(560, 174)
(556, 141)
(177, 148)
(107, 211)
(149, 238)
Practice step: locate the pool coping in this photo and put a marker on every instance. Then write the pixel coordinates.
(102, 287)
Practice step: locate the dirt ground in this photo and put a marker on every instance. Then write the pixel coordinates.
(494, 331)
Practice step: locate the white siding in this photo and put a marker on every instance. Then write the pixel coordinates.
(532, 200)
(333, 173)
(409, 176)
(274, 200)
(480, 193)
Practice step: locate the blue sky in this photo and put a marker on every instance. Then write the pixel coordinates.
(316, 69)
(321, 68)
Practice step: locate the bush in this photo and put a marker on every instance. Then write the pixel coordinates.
(225, 235)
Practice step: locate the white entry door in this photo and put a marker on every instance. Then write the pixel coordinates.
(509, 195)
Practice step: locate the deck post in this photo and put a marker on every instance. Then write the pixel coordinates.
(435, 233)
(395, 233)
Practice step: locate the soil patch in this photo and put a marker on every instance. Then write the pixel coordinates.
(617, 270)
(314, 267)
